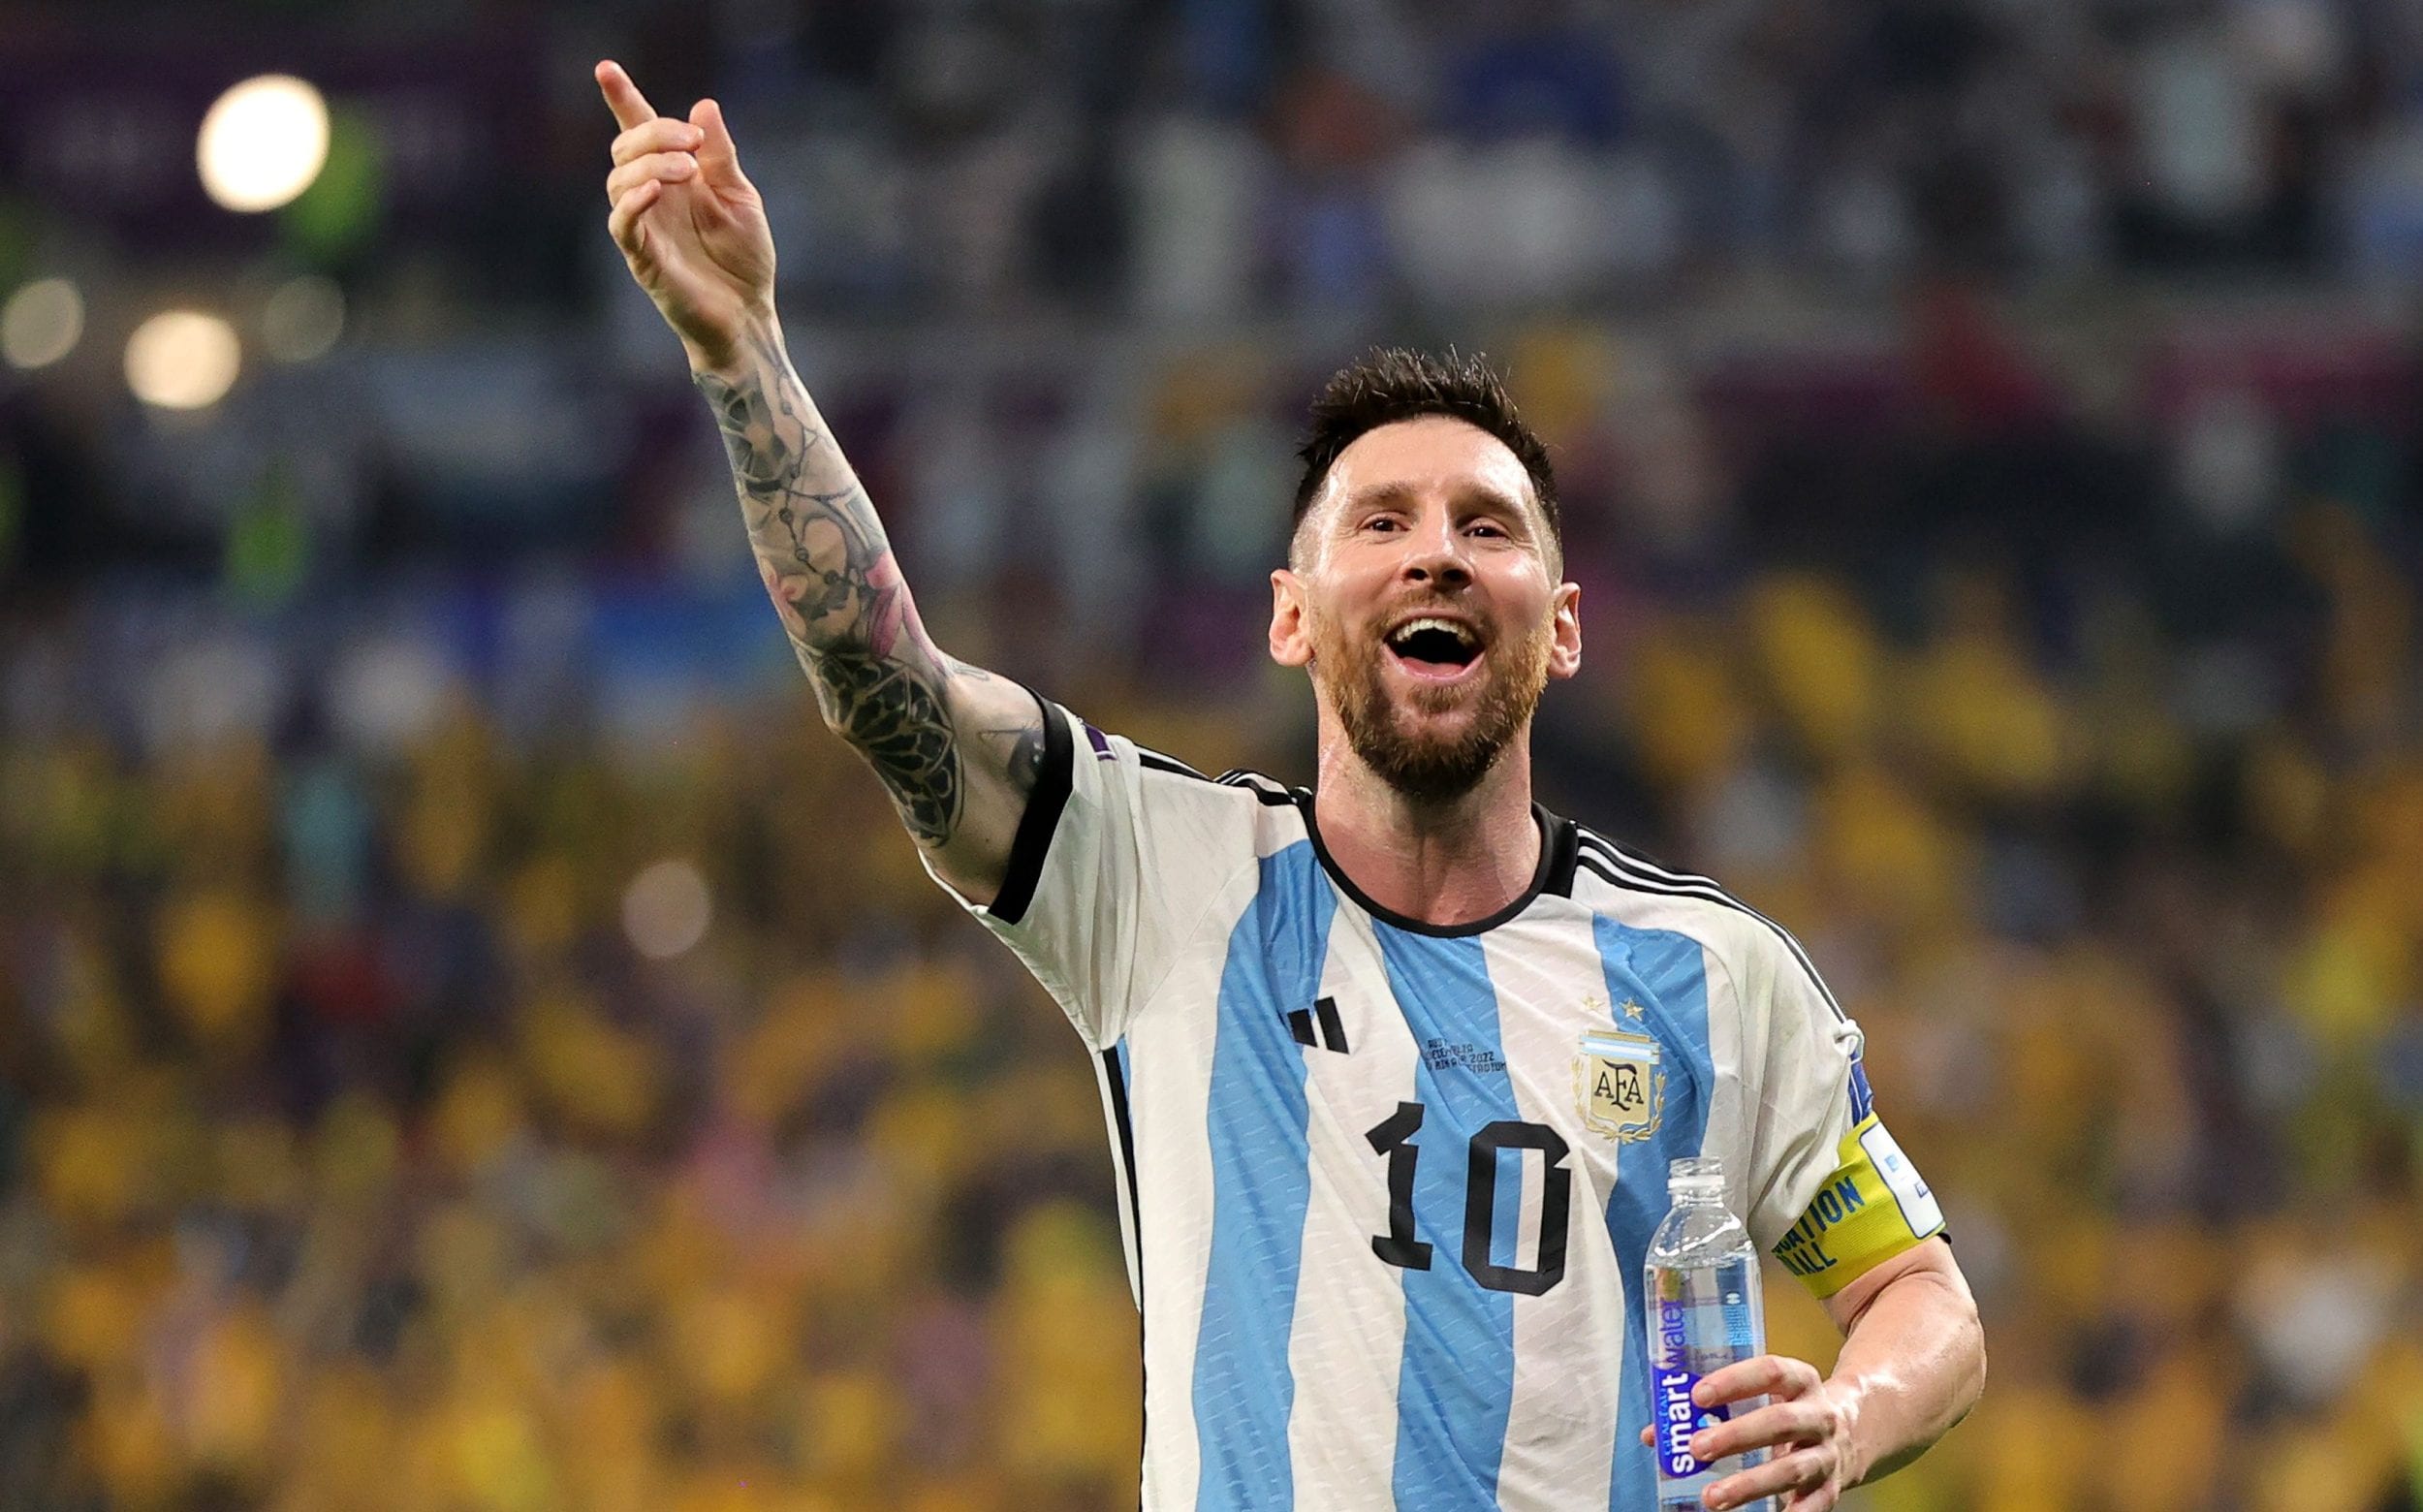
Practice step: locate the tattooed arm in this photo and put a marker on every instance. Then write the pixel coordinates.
(956, 747)
(957, 750)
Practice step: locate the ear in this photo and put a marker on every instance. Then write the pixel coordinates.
(1564, 650)
(1291, 633)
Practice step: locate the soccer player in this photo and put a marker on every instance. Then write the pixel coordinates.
(1392, 1068)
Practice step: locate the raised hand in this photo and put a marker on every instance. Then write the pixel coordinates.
(689, 223)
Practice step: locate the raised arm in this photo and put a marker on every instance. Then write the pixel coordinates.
(958, 749)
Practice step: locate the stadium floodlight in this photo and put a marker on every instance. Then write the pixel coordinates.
(263, 144)
(666, 910)
(302, 320)
(182, 359)
(41, 324)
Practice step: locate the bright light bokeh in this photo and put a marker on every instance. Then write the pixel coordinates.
(182, 359)
(302, 320)
(666, 910)
(41, 323)
(263, 143)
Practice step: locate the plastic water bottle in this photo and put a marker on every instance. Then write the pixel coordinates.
(1704, 1313)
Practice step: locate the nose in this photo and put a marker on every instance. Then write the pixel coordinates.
(1437, 555)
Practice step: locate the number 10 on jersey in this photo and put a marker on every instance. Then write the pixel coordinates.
(1394, 1137)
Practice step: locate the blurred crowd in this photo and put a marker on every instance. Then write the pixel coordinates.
(1175, 164)
(1207, 159)
(469, 1042)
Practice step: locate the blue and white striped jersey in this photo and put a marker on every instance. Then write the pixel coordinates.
(1387, 1186)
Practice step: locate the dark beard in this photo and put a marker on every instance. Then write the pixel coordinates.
(1424, 768)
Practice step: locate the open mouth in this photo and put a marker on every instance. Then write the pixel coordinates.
(1429, 647)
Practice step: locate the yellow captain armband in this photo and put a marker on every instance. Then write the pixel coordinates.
(1874, 1207)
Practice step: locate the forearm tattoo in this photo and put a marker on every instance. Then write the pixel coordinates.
(829, 571)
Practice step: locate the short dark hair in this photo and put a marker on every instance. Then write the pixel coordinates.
(1390, 384)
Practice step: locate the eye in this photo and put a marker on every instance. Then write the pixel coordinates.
(1382, 523)
(1486, 527)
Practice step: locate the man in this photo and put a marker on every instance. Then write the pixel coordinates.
(1393, 1072)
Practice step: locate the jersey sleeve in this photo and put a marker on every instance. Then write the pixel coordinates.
(1112, 864)
(1834, 1196)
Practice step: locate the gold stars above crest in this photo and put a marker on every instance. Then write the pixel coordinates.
(1596, 1006)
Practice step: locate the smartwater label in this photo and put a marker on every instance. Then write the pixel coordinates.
(1678, 1418)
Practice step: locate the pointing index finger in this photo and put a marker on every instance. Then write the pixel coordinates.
(622, 96)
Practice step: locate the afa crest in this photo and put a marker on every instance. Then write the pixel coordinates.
(1620, 1087)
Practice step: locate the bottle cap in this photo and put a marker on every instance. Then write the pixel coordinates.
(1696, 1174)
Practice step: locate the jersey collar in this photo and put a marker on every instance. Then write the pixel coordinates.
(1553, 875)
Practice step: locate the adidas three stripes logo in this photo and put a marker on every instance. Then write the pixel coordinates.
(1333, 1034)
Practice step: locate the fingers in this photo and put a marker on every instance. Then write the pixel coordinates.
(1805, 1470)
(1798, 1422)
(716, 151)
(622, 96)
(630, 233)
(657, 133)
(656, 167)
(1768, 1376)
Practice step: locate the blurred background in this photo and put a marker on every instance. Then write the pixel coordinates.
(470, 1043)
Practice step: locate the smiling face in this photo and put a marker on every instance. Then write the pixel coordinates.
(1426, 604)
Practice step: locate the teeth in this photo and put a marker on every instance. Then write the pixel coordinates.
(1462, 635)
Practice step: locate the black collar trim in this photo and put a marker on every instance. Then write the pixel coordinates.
(1554, 876)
